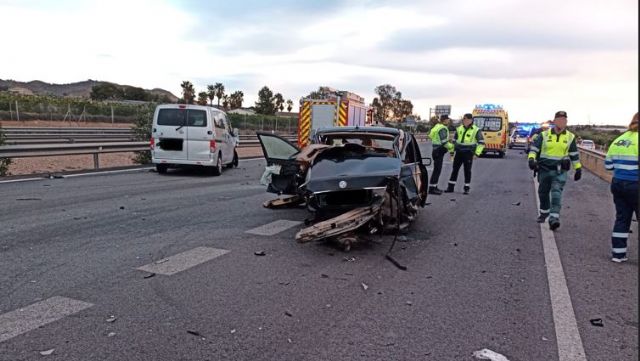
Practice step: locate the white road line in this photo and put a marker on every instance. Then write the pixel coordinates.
(273, 228)
(567, 335)
(22, 180)
(21, 321)
(183, 261)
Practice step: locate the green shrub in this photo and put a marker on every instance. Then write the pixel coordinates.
(4, 162)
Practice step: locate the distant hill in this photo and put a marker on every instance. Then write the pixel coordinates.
(79, 89)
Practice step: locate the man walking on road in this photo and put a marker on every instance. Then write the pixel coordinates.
(556, 150)
(469, 143)
(440, 145)
(622, 158)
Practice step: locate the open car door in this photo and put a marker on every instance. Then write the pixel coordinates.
(282, 165)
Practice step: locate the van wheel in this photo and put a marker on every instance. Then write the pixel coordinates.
(217, 170)
(161, 168)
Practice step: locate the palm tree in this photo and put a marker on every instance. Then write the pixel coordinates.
(211, 93)
(219, 89)
(289, 105)
(237, 97)
(188, 92)
(202, 98)
(225, 102)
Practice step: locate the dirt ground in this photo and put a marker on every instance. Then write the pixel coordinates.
(24, 166)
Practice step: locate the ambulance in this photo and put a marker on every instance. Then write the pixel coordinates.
(493, 121)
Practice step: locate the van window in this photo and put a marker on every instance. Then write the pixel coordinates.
(197, 118)
(492, 124)
(178, 117)
(217, 119)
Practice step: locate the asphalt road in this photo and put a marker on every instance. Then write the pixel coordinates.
(476, 277)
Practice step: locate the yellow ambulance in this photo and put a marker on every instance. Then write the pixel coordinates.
(493, 121)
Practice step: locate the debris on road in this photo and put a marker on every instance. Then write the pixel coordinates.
(287, 313)
(47, 352)
(111, 334)
(486, 354)
(233, 331)
(409, 303)
(515, 204)
(349, 259)
(149, 275)
(597, 322)
(544, 338)
(111, 319)
(289, 340)
(28, 199)
(259, 253)
(162, 261)
(195, 333)
(324, 275)
(395, 263)
(121, 207)
(364, 286)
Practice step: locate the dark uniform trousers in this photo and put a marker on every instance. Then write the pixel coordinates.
(625, 197)
(438, 157)
(462, 158)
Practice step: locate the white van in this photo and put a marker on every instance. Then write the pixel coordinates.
(192, 135)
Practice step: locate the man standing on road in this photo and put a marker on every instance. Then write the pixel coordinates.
(556, 150)
(622, 158)
(469, 143)
(440, 145)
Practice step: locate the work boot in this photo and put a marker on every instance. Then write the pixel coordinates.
(542, 217)
(435, 190)
(449, 188)
(466, 190)
(554, 223)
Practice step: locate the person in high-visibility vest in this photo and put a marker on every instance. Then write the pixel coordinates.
(555, 150)
(469, 143)
(622, 158)
(440, 145)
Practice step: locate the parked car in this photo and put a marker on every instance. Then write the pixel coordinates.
(588, 144)
(192, 135)
(349, 178)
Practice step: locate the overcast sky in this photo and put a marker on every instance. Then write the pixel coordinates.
(533, 57)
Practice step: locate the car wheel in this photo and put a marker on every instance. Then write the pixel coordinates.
(217, 170)
(161, 168)
(501, 154)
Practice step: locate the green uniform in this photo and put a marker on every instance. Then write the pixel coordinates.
(552, 149)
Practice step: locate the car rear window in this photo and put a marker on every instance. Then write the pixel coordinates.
(186, 117)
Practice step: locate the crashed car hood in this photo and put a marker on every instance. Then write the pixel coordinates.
(358, 173)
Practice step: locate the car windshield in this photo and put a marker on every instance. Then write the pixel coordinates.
(492, 124)
(178, 117)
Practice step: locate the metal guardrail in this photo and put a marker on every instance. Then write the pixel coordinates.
(593, 160)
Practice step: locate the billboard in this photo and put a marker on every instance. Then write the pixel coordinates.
(443, 109)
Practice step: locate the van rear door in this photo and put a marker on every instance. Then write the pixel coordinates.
(170, 133)
(199, 135)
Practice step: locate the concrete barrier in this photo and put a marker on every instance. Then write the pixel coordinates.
(594, 162)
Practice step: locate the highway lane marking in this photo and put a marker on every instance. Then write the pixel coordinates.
(22, 180)
(564, 319)
(107, 172)
(273, 228)
(183, 261)
(29, 318)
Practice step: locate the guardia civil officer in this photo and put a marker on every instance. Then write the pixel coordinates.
(440, 144)
(468, 143)
(552, 154)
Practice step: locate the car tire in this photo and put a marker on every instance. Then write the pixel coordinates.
(161, 168)
(217, 169)
(501, 154)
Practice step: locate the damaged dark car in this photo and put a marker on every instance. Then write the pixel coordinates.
(352, 179)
